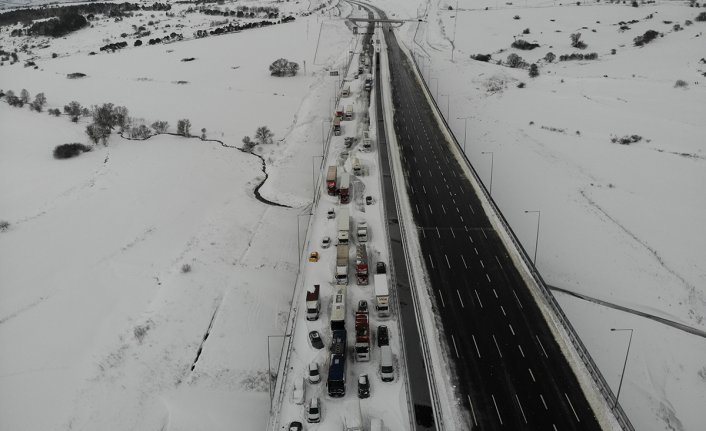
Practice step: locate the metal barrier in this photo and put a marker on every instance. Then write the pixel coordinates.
(583, 353)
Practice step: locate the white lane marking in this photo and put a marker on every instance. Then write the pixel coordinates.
(437, 232)
(417, 207)
(495, 293)
(572, 407)
(511, 330)
(464, 261)
(486, 236)
(554, 426)
(424, 233)
(497, 346)
(475, 249)
(436, 190)
(478, 297)
(541, 345)
(431, 262)
(461, 219)
(481, 264)
(531, 374)
(443, 208)
(447, 261)
(419, 174)
(443, 304)
(473, 412)
(503, 310)
(453, 200)
(472, 212)
(411, 188)
(496, 408)
(543, 402)
(430, 210)
(521, 410)
(518, 299)
(476, 344)
(458, 210)
(501, 265)
(521, 351)
(488, 277)
(459, 298)
(452, 233)
(425, 189)
(456, 349)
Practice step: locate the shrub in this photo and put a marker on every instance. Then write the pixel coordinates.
(520, 84)
(576, 41)
(680, 84)
(481, 57)
(140, 132)
(75, 75)
(533, 71)
(613, 51)
(701, 17)
(526, 31)
(515, 61)
(184, 127)
(160, 126)
(549, 57)
(4, 225)
(524, 45)
(66, 151)
(283, 67)
(185, 268)
(516, 17)
(634, 3)
(648, 37)
(626, 140)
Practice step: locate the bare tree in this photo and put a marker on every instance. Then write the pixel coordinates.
(24, 96)
(184, 127)
(160, 126)
(39, 101)
(73, 110)
(263, 135)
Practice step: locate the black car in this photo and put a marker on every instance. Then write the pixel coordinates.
(363, 386)
(368, 200)
(383, 336)
(380, 268)
(362, 306)
(295, 426)
(316, 341)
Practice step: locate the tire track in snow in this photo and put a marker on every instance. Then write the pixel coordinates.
(208, 332)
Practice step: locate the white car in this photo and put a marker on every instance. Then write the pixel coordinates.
(314, 374)
(330, 213)
(325, 242)
(313, 411)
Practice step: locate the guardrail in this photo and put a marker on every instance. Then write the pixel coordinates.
(583, 353)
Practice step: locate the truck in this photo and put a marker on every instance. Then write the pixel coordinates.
(338, 112)
(357, 167)
(362, 336)
(343, 226)
(367, 142)
(337, 126)
(352, 419)
(331, 176)
(361, 265)
(361, 232)
(336, 383)
(313, 304)
(344, 189)
(368, 82)
(382, 295)
(338, 342)
(348, 114)
(338, 311)
(342, 264)
(346, 91)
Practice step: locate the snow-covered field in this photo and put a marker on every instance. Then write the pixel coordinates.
(100, 327)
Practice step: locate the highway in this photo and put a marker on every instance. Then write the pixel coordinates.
(508, 370)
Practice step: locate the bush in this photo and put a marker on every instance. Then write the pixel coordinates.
(284, 67)
(680, 84)
(66, 151)
(75, 75)
(520, 84)
(533, 71)
(160, 126)
(701, 17)
(4, 225)
(523, 44)
(515, 61)
(576, 41)
(626, 140)
(550, 57)
(184, 127)
(648, 37)
(481, 57)
(526, 31)
(185, 268)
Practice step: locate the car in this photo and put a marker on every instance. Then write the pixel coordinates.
(362, 306)
(295, 426)
(368, 200)
(314, 256)
(344, 154)
(330, 214)
(380, 268)
(363, 386)
(313, 411)
(298, 391)
(348, 141)
(326, 242)
(316, 341)
(314, 374)
(383, 336)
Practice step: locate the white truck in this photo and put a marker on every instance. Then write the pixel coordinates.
(361, 231)
(357, 167)
(342, 264)
(382, 295)
(313, 304)
(352, 419)
(348, 114)
(344, 222)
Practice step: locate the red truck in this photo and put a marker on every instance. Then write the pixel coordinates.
(361, 265)
(331, 180)
(362, 335)
(344, 189)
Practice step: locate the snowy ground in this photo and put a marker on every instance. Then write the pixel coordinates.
(103, 326)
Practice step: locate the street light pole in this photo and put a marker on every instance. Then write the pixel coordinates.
(491, 170)
(313, 175)
(323, 139)
(465, 131)
(536, 240)
(269, 364)
(620, 385)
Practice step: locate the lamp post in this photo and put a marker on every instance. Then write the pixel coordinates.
(299, 247)
(491, 170)
(620, 385)
(536, 240)
(313, 175)
(465, 131)
(323, 136)
(448, 104)
(269, 365)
